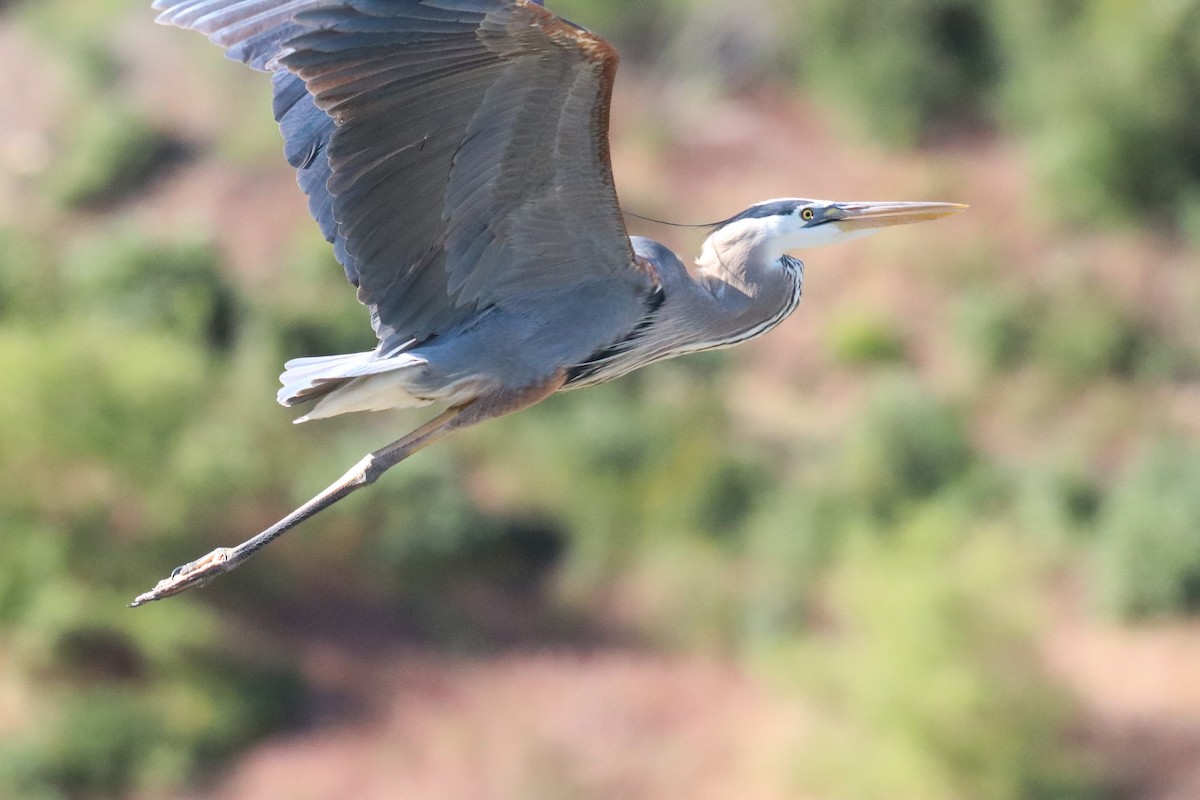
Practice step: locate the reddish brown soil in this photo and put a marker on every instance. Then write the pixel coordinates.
(526, 726)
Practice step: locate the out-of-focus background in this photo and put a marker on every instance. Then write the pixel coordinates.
(936, 538)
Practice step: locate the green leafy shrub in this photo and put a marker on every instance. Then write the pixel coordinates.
(997, 327)
(1083, 336)
(94, 391)
(103, 740)
(907, 446)
(907, 68)
(29, 284)
(81, 35)
(860, 339)
(116, 354)
(1148, 543)
(177, 287)
(97, 744)
(1076, 334)
(110, 152)
(904, 452)
(1108, 94)
(123, 701)
(792, 541)
(1058, 505)
(313, 310)
(928, 671)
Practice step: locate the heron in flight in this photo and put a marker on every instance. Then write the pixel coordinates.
(455, 154)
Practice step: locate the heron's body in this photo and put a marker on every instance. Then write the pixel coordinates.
(498, 350)
(455, 155)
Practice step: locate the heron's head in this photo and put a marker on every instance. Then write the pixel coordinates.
(795, 223)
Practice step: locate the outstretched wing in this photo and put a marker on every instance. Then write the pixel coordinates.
(455, 152)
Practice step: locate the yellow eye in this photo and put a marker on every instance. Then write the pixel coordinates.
(807, 214)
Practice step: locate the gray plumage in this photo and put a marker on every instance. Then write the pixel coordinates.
(452, 151)
(455, 154)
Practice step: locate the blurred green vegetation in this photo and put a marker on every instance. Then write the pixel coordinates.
(1148, 543)
(1106, 94)
(114, 374)
(109, 153)
(859, 339)
(1075, 334)
(83, 36)
(904, 69)
(892, 566)
(937, 687)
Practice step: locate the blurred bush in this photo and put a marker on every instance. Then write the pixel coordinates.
(621, 468)
(1148, 545)
(1075, 333)
(906, 447)
(860, 339)
(1083, 336)
(83, 36)
(29, 281)
(907, 69)
(120, 702)
(927, 670)
(108, 153)
(105, 146)
(996, 326)
(904, 451)
(1058, 505)
(309, 308)
(1108, 96)
(116, 348)
(92, 392)
(176, 287)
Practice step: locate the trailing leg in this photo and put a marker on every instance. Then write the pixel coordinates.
(364, 473)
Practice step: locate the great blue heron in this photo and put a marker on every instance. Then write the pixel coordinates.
(455, 153)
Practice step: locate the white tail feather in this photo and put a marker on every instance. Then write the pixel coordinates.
(365, 383)
(369, 393)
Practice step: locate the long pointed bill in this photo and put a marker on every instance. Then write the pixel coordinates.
(861, 217)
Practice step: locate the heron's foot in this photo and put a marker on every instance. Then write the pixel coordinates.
(190, 575)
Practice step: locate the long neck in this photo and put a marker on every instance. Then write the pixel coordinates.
(744, 286)
(731, 300)
(747, 271)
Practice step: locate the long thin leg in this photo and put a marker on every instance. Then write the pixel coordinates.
(364, 473)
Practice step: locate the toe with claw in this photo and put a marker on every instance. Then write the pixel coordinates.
(189, 576)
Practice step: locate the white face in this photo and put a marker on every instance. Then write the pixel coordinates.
(812, 223)
(777, 227)
(808, 223)
(811, 226)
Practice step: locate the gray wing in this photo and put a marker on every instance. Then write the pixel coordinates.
(455, 152)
